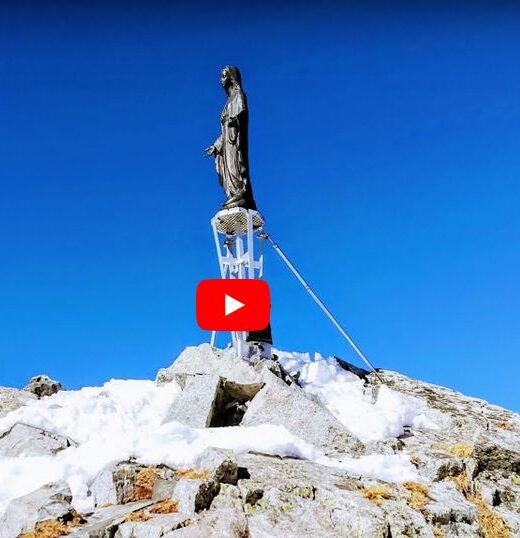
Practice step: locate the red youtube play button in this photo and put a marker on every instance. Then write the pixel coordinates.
(233, 305)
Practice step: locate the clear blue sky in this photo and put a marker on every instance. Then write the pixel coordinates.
(385, 155)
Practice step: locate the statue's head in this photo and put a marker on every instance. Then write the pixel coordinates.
(230, 76)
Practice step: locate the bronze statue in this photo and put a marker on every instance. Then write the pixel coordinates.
(230, 149)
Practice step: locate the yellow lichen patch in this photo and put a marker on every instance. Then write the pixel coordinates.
(419, 495)
(191, 474)
(165, 507)
(50, 528)
(306, 492)
(438, 533)
(461, 450)
(287, 506)
(137, 517)
(144, 482)
(491, 523)
(505, 426)
(462, 483)
(376, 494)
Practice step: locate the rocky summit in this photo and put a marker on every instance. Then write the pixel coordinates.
(293, 447)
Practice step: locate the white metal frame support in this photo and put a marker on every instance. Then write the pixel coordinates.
(235, 236)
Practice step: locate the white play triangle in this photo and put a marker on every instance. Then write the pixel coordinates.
(231, 305)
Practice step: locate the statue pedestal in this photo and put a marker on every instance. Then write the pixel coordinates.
(240, 250)
(237, 220)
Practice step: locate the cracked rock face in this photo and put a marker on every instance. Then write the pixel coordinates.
(468, 470)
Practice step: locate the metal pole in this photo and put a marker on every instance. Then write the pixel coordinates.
(250, 246)
(219, 251)
(320, 303)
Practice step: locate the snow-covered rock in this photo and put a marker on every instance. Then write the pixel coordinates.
(23, 440)
(299, 446)
(204, 359)
(290, 407)
(11, 399)
(48, 502)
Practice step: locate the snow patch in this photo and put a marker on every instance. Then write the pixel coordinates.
(123, 419)
(346, 397)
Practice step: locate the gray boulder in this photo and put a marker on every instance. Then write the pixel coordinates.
(51, 501)
(225, 518)
(129, 482)
(249, 396)
(105, 521)
(209, 400)
(195, 405)
(204, 359)
(448, 505)
(12, 399)
(475, 440)
(216, 387)
(220, 464)
(283, 405)
(214, 467)
(23, 440)
(42, 385)
(195, 495)
(464, 416)
(157, 526)
(284, 497)
(405, 521)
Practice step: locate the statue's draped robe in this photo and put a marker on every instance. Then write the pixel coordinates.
(232, 163)
(232, 160)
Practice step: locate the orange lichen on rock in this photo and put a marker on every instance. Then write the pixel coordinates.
(50, 528)
(376, 494)
(137, 517)
(191, 474)
(505, 426)
(419, 495)
(54, 528)
(144, 483)
(170, 506)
